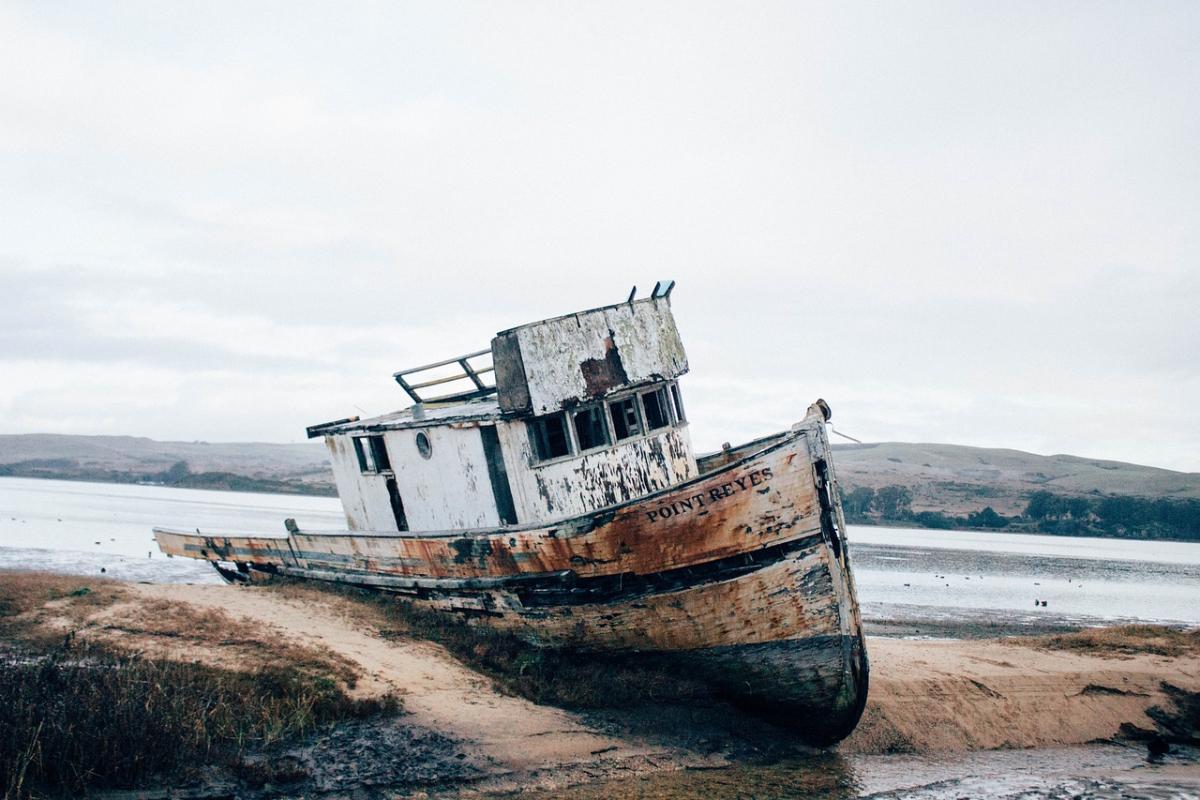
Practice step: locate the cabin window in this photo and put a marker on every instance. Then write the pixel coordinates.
(372, 454)
(549, 436)
(625, 418)
(423, 445)
(658, 413)
(590, 429)
(677, 402)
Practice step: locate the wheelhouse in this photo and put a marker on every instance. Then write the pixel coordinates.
(558, 418)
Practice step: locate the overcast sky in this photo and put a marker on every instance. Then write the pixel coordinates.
(957, 222)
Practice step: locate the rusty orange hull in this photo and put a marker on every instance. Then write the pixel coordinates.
(742, 574)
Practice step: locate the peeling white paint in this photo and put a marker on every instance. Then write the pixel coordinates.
(364, 497)
(570, 487)
(450, 489)
(562, 362)
(643, 334)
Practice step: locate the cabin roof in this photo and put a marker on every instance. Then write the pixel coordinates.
(537, 322)
(541, 367)
(662, 290)
(422, 415)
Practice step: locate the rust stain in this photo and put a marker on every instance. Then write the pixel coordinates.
(642, 537)
(601, 375)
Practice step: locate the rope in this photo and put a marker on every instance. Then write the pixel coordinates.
(844, 436)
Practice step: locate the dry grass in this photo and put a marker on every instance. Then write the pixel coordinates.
(82, 717)
(123, 702)
(184, 632)
(1124, 640)
(39, 609)
(23, 595)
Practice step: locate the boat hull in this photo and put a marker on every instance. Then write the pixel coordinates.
(741, 575)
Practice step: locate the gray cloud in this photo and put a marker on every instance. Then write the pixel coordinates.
(959, 223)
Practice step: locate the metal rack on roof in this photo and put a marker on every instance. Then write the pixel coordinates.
(466, 372)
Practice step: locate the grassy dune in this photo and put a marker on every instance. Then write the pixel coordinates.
(78, 715)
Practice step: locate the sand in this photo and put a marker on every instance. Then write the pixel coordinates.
(931, 696)
(925, 696)
(512, 736)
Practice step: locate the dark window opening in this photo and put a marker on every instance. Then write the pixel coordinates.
(590, 429)
(365, 464)
(498, 475)
(678, 403)
(380, 454)
(372, 454)
(397, 505)
(658, 414)
(549, 436)
(625, 418)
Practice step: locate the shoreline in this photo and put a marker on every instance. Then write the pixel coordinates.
(273, 486)
(1019, 529)
(293, 488)
(464, 731)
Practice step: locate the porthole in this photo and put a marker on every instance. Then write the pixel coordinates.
(423, 446)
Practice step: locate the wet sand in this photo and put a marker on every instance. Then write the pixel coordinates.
(938, 696)
(927, 697)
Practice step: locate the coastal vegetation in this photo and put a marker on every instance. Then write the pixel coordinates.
(1044, 512)
(79, 714)
(178, 475)
(1124, 640)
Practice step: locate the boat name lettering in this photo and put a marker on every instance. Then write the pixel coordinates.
(714, 495)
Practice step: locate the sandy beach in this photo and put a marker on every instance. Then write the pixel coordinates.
(926, 697)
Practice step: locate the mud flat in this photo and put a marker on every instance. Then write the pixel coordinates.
(463, 733)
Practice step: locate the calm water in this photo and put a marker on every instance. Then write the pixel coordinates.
(70, 526)
(1093, 772)
(901, 573)
(984, 577)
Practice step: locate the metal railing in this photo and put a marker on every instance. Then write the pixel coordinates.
(466, 372)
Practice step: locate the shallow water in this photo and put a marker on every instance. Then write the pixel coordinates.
(902, 574)
(1097, 772)
(975, 576)
(78, 527)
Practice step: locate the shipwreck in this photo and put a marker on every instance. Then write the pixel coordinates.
(548, 486)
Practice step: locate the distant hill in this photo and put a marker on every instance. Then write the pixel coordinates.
(948, 478)
(957, 479)
(252, 466)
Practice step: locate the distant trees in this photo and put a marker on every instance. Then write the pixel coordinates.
(987, 518)
(858, 501)
(177, 472)
(887, 503)
(893, 502)
(936, 519)
(1046, 506)
(1116, 515)
(1045, 512)
(1042, 505)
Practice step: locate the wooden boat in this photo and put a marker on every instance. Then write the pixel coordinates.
(563, 502)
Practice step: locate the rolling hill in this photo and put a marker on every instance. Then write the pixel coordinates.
(957, 479)
(954, 479)
(255, 466)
